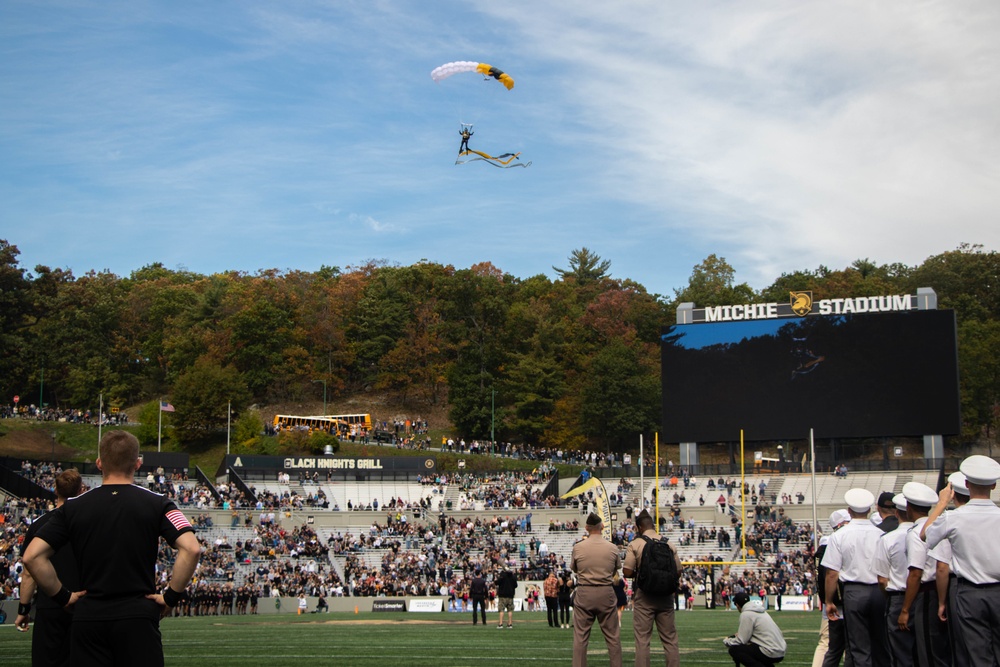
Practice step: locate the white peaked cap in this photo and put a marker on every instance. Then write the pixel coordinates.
(919, 494)
(979, 469)
(859, 500)
(957, 480)
(839, 517)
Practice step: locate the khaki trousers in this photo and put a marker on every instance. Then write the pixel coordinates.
(824, 641)
(597, 602)
(648, 610)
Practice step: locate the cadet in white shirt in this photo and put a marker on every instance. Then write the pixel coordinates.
(974, 533)
(946, 580)
(849, 558)
(832, 638)
(920, 605)
(891, 569)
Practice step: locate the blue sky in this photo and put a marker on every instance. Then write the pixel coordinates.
(250, 135)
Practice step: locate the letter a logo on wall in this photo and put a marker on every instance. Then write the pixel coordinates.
(802, 302)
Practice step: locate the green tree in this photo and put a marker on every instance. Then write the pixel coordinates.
(534, 384)
(584, 267)
(16, 314)
(478, 304)
(85, 353)
(149, 430)
(248, 430)
(260, 334)
(620, 397)
(319, 441)
(201, 395)
(712, 283)
(966, 279)
(979, 369)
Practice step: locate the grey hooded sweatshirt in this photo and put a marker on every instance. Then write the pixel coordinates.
(756, 627)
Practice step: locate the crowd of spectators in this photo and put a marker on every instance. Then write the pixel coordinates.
(427, 558)
(42, 473)
(16, 515)
(505, 490)
(70, 415)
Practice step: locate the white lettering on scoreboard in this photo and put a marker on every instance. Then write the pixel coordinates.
(769, 311)
(747, 311)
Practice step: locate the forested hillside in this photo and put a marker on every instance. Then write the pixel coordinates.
(572, 362)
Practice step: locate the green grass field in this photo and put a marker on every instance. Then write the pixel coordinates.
(402, 640)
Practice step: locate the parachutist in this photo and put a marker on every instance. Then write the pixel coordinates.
(466, 135)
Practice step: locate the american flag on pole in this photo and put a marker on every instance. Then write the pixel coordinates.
(177, 518)
(166, 407)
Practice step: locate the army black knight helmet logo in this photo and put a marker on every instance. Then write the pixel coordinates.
(802, 302)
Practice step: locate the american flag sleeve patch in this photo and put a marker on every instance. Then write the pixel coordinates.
(177, 518)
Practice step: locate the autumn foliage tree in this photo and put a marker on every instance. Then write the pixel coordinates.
(570, 361)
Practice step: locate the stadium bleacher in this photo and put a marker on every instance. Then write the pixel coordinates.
(242, 542)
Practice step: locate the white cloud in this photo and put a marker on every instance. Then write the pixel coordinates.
(781, 135)
(790, 134)
(373, 224)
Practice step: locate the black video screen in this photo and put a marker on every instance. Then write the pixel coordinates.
(844, 376)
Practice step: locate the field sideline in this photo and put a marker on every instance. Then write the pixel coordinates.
(402, 640)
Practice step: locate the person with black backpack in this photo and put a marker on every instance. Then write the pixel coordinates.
(656, 571)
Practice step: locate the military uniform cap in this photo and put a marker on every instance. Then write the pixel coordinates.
(859, 500)
(919, 494)
(593, 520)
(979, 469)
(839, 517)
(899, 501)
(957, 481)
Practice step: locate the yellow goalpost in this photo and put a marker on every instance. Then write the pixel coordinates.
(743, 508)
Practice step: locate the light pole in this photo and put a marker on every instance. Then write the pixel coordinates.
(493, 413)
(229, 421)
(324, 394)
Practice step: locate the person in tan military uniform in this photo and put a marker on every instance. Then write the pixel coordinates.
(647, 609)
(595, 562)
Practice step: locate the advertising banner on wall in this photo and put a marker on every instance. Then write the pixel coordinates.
(421, 605)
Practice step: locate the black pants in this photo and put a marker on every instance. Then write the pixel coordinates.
(481, 603)
(837, 647)
(552, 604)
(750, 655)
(50, 637)
(564, 608)
(117, 643)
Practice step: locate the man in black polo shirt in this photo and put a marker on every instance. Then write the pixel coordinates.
(50, 640)
(114, 531)
(477, 591)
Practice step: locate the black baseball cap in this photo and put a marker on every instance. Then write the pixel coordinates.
(885, 500)
(741, 599)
